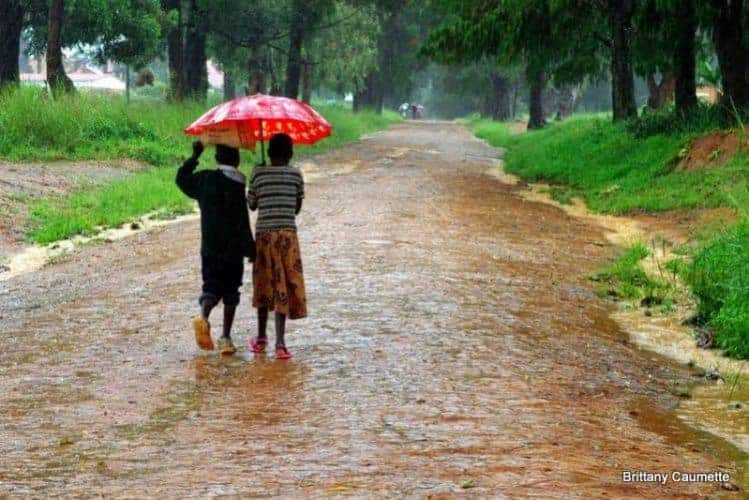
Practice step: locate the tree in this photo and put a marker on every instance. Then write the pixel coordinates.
(622, 74)
(684, 57)
(403, 25)
(195, 58)
(341, 56)
(175, 48)
(304, 19)
(730, 47)
(57, 79)
(545, 37)
(11, 24)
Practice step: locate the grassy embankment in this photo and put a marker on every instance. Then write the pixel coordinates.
(35, 128)
(631, 168)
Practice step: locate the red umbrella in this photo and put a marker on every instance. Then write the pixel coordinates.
(246, 120)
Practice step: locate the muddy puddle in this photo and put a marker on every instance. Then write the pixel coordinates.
(454, 347)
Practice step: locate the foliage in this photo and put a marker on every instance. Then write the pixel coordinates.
(126, 31)
(703, 118)
(35, 127)
(88, 126)
(346, 52)
(613, 170)
(719, 277)
(625, 278)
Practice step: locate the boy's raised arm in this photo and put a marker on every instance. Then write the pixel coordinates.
(187, 180)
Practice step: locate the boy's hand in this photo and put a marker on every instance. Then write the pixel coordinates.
(251, 258)
(197, 149)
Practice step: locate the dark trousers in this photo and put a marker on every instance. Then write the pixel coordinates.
(222, 278)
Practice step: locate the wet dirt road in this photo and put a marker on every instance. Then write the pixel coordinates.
(454, 346)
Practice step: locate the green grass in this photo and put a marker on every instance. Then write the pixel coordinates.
(614, 169)
(34, 127)
(630, 167)
(625, 279)
(719, 277)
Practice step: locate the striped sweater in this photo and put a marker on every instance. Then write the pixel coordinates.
(274, 193)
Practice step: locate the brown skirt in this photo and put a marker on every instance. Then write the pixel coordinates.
(277, 276)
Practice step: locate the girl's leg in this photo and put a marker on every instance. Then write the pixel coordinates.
(280, 329)
(262, 322)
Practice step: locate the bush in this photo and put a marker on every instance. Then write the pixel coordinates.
(625, 278)
(719, 277)
(85, 127)
(704, 118)
(613, 170)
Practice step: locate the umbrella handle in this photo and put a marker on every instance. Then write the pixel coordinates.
(262, 144)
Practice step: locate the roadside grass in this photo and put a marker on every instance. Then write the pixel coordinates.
(614, 170)
(34, 127)
(625, 279)
(719, 277)
(630, 168)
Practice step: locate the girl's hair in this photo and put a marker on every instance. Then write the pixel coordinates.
(281, 147)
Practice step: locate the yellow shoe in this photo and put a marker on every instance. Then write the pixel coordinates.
(202, 333)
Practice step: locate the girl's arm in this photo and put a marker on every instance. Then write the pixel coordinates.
(299, 194)
(252, 195)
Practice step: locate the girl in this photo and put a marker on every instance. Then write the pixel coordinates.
(276, 192)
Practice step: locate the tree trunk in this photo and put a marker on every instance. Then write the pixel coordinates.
(196, 72)
(685, 86)
(127, 84)
(660, 93)
(307, 82)
(537, 81)
(256, 82)
(370, 97)
(622, 75)
(175, 51)
(11, 23)
(296, 37)
(732, 55)
(566, 101)
(500, 109)
(230, 87)
(275, 85)
(57, 80)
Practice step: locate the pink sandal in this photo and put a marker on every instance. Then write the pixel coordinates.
(257, 344)
(282, 352)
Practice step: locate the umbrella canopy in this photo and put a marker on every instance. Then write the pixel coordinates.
(246, 120)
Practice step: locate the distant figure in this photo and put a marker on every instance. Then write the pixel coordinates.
(226, 238)
(276, 192)
(403, 110)
(414, 111)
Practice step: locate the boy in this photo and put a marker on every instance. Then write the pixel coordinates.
(225, 240)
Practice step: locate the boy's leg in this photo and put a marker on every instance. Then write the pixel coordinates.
(232, 271)
(206, 306)
(229, 311)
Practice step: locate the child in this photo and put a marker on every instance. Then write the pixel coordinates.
(278, 283)
(225, 240)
